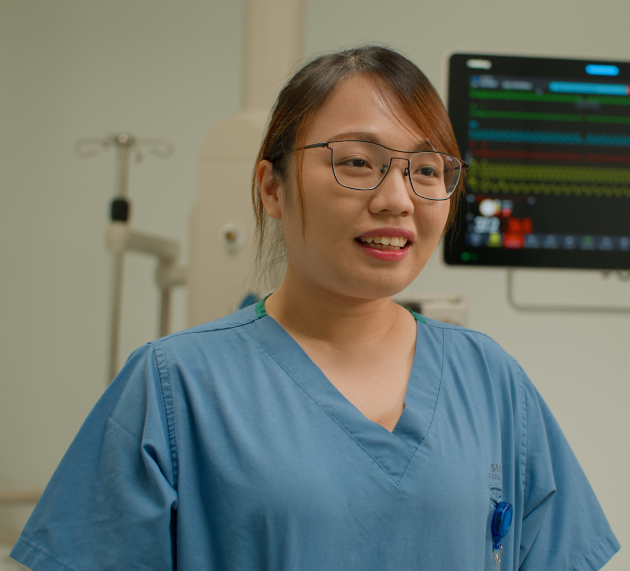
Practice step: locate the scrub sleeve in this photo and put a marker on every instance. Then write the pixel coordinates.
(109, 504)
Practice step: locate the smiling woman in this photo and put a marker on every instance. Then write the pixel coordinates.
(328, 428)
(396, 85)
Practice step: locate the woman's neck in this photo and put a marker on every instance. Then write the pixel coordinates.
(307, 312)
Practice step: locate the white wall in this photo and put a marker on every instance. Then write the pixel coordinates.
(72, 69)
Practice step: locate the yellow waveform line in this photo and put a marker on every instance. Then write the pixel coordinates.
(518, 171)
(501, 186)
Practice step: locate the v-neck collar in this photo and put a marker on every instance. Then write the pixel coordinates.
(392, 451)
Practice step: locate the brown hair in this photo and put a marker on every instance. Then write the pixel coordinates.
(308, 90)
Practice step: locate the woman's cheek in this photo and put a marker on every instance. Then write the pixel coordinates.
(433, 216)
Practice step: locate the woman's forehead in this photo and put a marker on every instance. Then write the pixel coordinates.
(359, 109)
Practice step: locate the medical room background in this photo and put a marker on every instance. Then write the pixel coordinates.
(73, 69)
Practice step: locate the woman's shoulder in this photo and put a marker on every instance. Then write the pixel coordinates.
(218, 346)
(212, 337)
(233, 321)
(469, 342)
(474, 359)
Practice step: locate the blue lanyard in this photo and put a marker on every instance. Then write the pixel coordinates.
(501, 522)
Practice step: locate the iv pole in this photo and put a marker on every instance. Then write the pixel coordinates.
(121, 238)
(124, 144)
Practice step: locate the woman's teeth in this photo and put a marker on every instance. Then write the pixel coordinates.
(384, 242)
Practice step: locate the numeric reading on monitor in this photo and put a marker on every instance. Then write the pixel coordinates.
(548, 145)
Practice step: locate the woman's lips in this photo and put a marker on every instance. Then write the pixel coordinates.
(386, 255)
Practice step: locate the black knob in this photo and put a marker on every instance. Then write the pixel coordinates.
(120, 209)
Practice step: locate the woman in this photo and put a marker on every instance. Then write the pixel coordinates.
(327, 428)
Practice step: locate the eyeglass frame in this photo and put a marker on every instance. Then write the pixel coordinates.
(391, 158)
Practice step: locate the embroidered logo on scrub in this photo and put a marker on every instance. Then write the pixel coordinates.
(495, 472)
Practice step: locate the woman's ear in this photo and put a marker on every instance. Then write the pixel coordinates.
(269, 189)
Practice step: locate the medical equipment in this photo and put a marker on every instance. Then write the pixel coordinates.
(548, 185)
(121, 238)
(221, 246)
(547, 141)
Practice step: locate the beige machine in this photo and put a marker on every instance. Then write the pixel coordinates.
(222, 224)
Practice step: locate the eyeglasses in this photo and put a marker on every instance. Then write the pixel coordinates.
(362, 165)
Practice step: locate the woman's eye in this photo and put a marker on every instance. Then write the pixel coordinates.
(357, 163)
(428, 171)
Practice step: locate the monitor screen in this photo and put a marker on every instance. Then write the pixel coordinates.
(547, 142)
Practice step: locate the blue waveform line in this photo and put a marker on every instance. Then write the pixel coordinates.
(607, 140)
(593, 88)
(549, 137)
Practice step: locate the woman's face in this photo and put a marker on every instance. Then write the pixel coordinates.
(332, 254)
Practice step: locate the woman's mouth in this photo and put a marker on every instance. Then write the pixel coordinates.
(383, 242)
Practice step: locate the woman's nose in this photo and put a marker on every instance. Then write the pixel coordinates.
(394, 192)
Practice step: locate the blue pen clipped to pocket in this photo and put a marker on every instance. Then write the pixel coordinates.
(501, 522)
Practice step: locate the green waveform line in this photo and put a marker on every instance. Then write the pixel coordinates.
(527, 115)
(607, 119)
(549, 97)
(485, 186)
(608, 100)
(548, 173)
(535, 116)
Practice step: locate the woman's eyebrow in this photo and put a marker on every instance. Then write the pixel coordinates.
(372, 138)
(357, 135)
(424, 146)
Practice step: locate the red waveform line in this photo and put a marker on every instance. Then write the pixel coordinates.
(549, 156)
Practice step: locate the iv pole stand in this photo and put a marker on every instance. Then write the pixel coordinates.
(121, 238)
(123, 144)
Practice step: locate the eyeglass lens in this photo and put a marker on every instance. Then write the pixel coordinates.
(362, 165)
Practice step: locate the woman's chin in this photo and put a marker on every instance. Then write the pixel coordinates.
(372, 288)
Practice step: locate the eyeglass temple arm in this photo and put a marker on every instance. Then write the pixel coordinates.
(314, 146)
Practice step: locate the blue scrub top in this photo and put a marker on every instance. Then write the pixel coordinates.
(224, 447)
